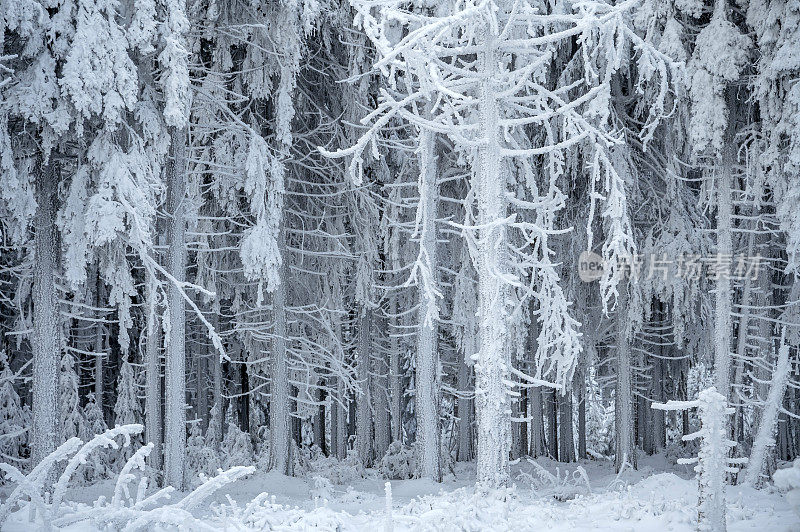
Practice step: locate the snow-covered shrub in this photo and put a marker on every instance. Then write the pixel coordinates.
(562, 488)
(323, 488)
(201, 460)
(303, 456)
(788, 479)
(338, 471)
(676, 451)
(399, 462)
(214, 429)
(261, 459)
(263, 513)
(238, 449)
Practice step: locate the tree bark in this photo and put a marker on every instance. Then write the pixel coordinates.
(338, 399)
(722, 307)
(427, 366)
(333, 408)
(382, 420)
(364, 436)
(46, 342)
(216, 373)
(152, 401)
(523, 427)
(201, 380)
(464, 405)
(99, 353)
(765, 437)
(566, 450)
(623, 398)
(551, 407)
(658, 416)
(537, 423)
(280, 449)
(395, 376)
(516, 438)
(492, 369)
(319, 422)
(742, 336)
(341, 423)
(175, 370)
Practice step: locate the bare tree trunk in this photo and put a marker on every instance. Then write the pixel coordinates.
(523, 427)
(427, 367)
(765, 437)
(175, 374)
(152, 400)
(46, 343)
(319, 423)
(516, 438)
(351, 416)
(537, 423)
(741, 343)
(566, 451)
(395, 386)
(280, 449)
(722, 307)
(338, 398)
(646, 424)
(551, 407)
(216, 373)
(659, 416)
(364, 436)
(464, 405)
(623, 398)
(494, 358)
(294, 421)
(99, 353)
(580, 393)
(201, 369)
(341, 425)
(333, 408)
(380, 386)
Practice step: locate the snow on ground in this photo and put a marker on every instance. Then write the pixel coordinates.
(656, 497)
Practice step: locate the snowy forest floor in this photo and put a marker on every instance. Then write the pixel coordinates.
(656, 497)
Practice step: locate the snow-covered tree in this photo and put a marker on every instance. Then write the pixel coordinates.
(100, 465)
(72, 422)
(483, 104)
(127, 409)
(15, 420)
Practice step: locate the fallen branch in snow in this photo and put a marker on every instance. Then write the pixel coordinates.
(137, 517)
(105, 439)
(32, 484)
(123, 512)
